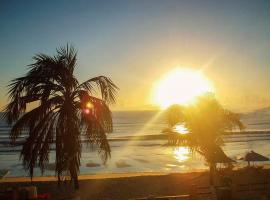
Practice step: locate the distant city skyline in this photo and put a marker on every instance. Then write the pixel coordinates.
(136, 42)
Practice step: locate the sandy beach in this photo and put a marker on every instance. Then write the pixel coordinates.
(134, 185)
(111, 186)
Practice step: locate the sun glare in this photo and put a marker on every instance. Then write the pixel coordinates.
(181, 154)
(181, 129)
(180, 86)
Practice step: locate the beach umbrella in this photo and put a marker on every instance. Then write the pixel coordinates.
(3, 173)
(221, 157)
(254, 157)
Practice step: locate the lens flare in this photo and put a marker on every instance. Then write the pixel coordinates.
(89, 105)
(86, 111)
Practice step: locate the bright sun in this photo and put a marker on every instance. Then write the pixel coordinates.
(180, 86)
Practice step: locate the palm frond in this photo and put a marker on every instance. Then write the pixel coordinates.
(97, 123)
(174, 115)
(31, 150)
(34, 115)
(107, 88)
(232, 120)
(206, 121)
(58, 118)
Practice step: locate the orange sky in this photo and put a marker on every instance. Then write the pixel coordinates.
(136, 42)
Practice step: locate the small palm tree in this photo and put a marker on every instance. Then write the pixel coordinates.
(206, 121)
(60, 113)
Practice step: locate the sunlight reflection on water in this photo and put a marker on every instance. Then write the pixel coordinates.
(181, 154)
(180, 128)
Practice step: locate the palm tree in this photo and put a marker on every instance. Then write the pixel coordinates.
(60, 113)
(206, 121)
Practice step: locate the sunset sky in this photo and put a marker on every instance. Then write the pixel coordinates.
(136, 42)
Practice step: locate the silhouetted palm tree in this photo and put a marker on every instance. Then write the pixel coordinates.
(206, 121)
(60, 112)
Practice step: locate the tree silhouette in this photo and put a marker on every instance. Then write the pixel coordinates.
(206, 121)
(65, 113)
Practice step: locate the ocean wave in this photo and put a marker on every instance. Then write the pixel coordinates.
(231, 137)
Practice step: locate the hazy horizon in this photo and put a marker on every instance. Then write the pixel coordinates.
(136, 42)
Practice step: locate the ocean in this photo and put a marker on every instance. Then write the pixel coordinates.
(149, 154)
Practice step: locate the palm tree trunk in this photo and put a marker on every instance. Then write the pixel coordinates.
(76, 182)
(211, 173)
(58, 180)
(74, 175)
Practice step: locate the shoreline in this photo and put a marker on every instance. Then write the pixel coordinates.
(24, 179)
(112, 175)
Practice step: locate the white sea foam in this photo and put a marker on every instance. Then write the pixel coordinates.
(149, 154)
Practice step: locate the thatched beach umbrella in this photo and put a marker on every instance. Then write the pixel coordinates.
(224, 159)
(254, 157)
(221, 157)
